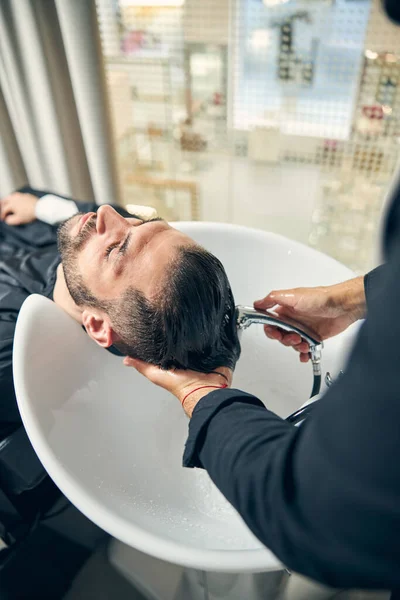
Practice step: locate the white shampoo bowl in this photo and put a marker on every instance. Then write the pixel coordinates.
(113, 442)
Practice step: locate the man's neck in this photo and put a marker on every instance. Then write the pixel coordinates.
(62, 297)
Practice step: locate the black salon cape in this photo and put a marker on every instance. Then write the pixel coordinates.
(325, 497)
(28, 265)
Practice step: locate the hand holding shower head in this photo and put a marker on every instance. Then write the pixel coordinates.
(246, 316)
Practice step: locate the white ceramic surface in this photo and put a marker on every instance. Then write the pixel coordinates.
(113, 443)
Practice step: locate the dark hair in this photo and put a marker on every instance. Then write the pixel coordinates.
(191, 323)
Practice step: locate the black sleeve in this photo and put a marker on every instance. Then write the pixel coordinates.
(373, 282)
(325, 497)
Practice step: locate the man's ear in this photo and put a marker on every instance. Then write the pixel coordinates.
(98, 327)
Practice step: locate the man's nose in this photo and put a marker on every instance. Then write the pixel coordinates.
(108, 220)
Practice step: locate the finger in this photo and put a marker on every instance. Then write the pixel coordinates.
(151, 372)
(12, 196)
(141, 366)
(4, 208)
(288, 339)
(283, 311)
(129, 362)
(304, 358)
(12, 219)
(264, 303)
(225, 373)
(303, 348)
(282, 297)
(273, 333)
(291, 339)
(217, 372)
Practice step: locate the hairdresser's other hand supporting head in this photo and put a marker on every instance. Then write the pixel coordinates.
(188, 386)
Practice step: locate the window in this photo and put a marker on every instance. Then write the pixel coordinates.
(283, 116)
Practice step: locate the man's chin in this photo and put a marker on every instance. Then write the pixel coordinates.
(64, 231)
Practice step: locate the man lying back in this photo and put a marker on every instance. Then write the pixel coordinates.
(142, 287)
(148, 290)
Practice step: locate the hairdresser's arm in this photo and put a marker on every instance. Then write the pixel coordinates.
(324, 498)
(373, 282)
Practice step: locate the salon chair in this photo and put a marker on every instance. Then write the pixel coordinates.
(27, 493)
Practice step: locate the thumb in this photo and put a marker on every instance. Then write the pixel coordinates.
(137, 364)
(146, 369)
(282, 297)
(12, 219)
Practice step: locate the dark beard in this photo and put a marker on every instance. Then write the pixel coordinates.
(71, 246)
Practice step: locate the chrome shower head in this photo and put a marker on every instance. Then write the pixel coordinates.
(246, 316)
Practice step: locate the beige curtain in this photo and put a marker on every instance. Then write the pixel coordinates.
(54, 118)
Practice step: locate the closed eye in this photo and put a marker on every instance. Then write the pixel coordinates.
(122, 247)
(110, 249)
(125, 245)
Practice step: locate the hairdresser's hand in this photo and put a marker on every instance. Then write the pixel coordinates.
(183, 383)
(18, 208)
(327, 311)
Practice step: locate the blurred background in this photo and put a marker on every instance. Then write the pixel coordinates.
(282, 115)
(276, 114)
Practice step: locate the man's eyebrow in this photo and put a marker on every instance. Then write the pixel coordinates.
(153, 220)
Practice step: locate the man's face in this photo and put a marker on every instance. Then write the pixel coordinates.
(111, 253)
